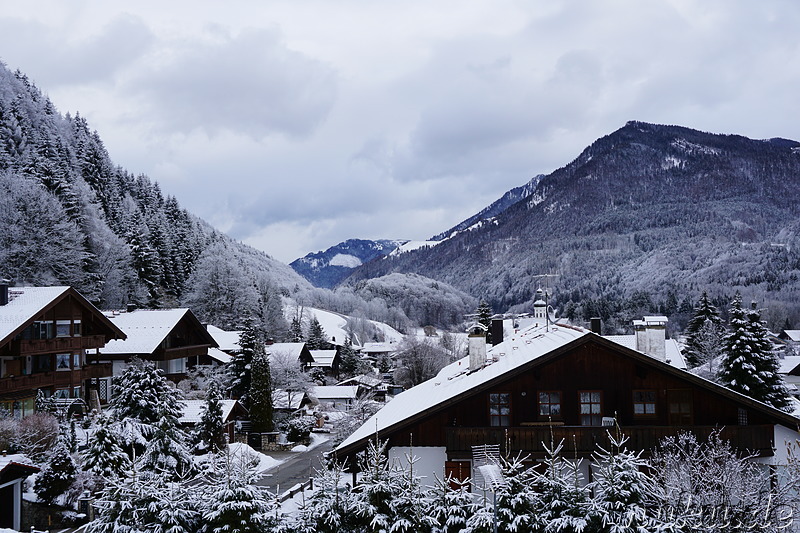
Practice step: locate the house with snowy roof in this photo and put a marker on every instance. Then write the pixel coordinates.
(556, 381)
(337, 397)
(45, 333)
(13, 471)
(173, 339)
(291, 351)
(327, 360)
(232, 410)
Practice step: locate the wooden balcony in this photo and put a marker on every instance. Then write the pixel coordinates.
(62, 379)
(57, 345)
(583, 440)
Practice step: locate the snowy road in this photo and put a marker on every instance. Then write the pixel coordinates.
(298, 467)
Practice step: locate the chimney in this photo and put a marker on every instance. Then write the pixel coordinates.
(130, 308)
(497, 331)
(4, 291)
(651, 336)
(477, 347)
(596, 325)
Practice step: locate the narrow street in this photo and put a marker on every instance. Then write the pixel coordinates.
(297, 468)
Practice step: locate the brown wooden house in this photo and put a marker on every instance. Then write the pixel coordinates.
(44, 335)
(566, 383)
(171, 338)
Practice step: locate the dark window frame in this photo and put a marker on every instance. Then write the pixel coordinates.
(594, 419)
(644, 402)
(498, 419)
(549, 404)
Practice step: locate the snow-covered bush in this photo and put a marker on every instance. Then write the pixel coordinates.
(299, 429)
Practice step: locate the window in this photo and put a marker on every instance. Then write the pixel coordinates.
(62, 328)
(76, 328)
(550, 404)
(742, 417)
(76, 360)
(500, 409)
(591, 408)
(680, 407)
(644, 403)
(62, 361)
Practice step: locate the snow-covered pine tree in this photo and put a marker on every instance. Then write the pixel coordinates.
(143, 397)
(44, 404)
(296, 330)
(167, 452)
(261, 408)
(625, 497)
(749, 365)
(317, 340)
(57, 475)
(564, 501)
(104, 457)
(234, 504)
(372, 496)
(517, 499)
(348, 359)
(776, 393)
(210, 435)
(240, 366)
(327, 509)
(450, 505)
(484, 316)
(704, 334)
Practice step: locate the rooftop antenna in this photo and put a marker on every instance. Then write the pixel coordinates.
(546, 298)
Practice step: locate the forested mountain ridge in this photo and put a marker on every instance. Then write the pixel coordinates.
(327, 268)
(495, 208)
(70, 216)
(642, 220)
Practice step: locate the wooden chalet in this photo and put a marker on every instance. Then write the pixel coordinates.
(172, 338)
(13, 471)
(327, 360)
(562, 382)
(44, 335)
(291, 351)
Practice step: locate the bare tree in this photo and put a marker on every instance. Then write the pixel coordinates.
(419, 360)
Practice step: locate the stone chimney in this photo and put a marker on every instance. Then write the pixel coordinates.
(596, 325)
(497, 331)
(477, 346)
(4, 283)
(651, 336)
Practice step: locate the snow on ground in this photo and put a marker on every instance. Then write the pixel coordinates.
(265, 462)
(413, 245)
(316, 440)
(334, 325)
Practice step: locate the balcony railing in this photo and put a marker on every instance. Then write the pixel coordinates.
(57, 344)
(62, 379)
(583, 440)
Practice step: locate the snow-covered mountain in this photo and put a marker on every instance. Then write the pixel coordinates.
(643, 220)
(327, 268)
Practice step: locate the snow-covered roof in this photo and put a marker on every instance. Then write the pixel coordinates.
(218, 355)
(145, 328)
(290, 349)
(323, 358)
(454, 379)
(281, 399)
(228, 341)
(672, 348)
(788, 363)
(24, 304)
(793, 334)
(363, 380)
(17, 459)
(331, 392)
(193, 410)
(379, 347)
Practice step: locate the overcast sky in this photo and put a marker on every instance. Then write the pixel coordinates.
(295, 125)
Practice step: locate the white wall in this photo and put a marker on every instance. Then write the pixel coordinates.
(429, 463)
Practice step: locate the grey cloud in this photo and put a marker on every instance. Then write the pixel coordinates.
(249, 83)
(46, 53)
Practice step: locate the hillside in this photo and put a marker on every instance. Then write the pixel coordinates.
(71, 216)
(642, 220)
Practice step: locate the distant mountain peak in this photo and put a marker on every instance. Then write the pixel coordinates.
(328, 267)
